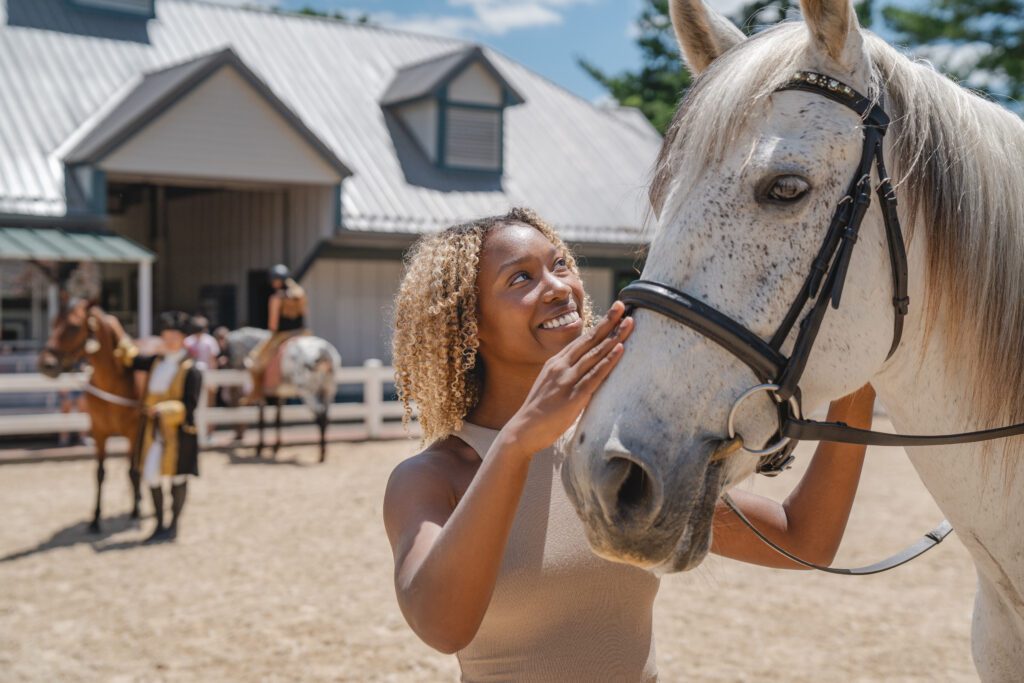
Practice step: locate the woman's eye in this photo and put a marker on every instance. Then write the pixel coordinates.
(562, 263)
(519, 277)
(788, 189)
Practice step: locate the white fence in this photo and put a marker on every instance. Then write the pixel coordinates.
(373, 411)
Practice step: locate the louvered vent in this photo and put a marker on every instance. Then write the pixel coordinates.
(473, 139)
(135, 8)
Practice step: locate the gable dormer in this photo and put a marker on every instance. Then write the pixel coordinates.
(454, 107)
(130, 8)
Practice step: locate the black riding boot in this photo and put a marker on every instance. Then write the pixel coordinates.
(160, 532)
(178, 492)
(136, 479)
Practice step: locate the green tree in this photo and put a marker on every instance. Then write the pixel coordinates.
(338, 16)
(979, 42)
(655, 89)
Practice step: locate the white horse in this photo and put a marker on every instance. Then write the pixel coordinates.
(747, 183)
(308, 371)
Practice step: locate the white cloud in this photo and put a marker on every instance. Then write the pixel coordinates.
(484, 17)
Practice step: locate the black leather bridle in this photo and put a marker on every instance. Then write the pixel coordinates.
(780, 375)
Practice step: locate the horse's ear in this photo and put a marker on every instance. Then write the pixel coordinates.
(835, 30)
(703, 34)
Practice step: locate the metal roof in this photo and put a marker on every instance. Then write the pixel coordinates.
(47, 244)
(426, 78)
(582, 168)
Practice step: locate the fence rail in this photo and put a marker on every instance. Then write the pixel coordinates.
(373, 376)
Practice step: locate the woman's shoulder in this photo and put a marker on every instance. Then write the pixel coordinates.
(444, 466)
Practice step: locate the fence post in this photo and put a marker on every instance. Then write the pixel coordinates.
(373, 397)
(201, 421)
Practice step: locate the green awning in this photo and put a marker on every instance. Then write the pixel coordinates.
(50, 244)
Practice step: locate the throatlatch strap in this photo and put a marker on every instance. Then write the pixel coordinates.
(929, 541)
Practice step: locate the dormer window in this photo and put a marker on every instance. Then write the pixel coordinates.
(129, 8)
(454, 106)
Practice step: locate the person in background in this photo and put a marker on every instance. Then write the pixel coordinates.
(201, 345)
(220, 334)
(169, 447)
(286, 318)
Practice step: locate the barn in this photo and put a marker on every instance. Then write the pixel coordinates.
(182, 147)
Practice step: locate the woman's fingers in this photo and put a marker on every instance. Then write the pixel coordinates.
(597, 375)
(595, 336)
(596, 354)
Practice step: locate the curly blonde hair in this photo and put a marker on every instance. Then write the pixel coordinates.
(435, 339)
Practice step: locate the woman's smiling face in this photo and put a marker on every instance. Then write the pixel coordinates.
(529, 300)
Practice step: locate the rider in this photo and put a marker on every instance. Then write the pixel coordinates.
(169, 445)
(286, 318)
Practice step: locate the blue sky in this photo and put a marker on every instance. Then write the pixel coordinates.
(545, 35)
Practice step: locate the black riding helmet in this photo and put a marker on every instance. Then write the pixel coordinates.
(279, 272)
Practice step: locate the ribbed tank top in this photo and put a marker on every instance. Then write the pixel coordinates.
(558, 612)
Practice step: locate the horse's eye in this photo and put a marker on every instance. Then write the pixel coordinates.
(787, 189)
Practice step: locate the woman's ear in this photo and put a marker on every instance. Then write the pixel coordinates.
(703, 34)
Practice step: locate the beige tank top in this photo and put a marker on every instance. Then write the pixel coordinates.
(559, 612)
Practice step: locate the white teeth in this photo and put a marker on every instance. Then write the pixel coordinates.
(567, 319)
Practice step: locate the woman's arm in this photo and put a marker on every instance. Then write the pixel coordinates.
(273, 313)
(447, 552)
(810, 524)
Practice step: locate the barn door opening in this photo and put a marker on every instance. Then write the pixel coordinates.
(259, 292)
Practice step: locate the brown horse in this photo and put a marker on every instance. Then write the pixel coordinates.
(84, 330)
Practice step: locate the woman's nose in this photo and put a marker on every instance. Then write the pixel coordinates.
(557, 288)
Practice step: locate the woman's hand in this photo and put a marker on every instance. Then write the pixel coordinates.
(566, 383)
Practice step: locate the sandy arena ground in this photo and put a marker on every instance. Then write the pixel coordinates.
(282, 572)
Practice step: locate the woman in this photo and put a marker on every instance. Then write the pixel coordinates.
(493, 341)
(286, 318)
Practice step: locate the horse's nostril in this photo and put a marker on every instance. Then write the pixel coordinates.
(631, 494)
(635, 488)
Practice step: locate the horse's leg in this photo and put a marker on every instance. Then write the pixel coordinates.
(259, 446)
(135, 477)
(321, 419)
(101, 474)
(277, 443)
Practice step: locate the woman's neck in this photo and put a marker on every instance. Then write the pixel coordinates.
(504, 391)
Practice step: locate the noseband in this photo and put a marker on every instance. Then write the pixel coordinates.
(779, 375)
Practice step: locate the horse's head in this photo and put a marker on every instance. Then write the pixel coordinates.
(70, 337)
(747, 185)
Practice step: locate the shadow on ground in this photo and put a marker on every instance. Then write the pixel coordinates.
(79, 533)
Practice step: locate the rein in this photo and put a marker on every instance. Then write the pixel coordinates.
(91, 388)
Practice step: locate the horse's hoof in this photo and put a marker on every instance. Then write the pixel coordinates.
(161, 534)
(94, 528)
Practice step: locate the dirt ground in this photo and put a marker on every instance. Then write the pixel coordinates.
(282, 572)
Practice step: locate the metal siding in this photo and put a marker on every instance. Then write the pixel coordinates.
(350, 305)
(422, 118)
(217, 237)
(476, 86)
(222, 130)
(582, 168)
(599, 284)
